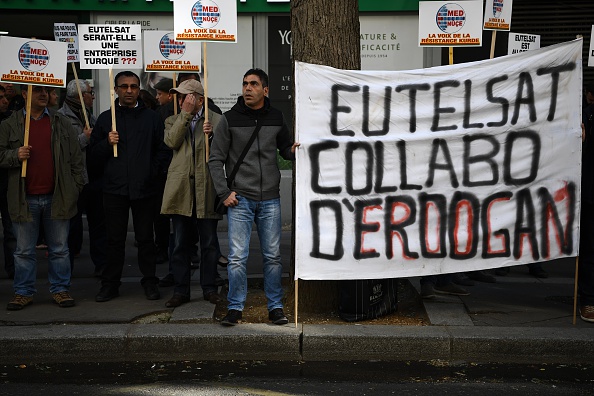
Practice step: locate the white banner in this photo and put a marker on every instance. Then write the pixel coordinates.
(205, 20)
(66, 33)
(163, 53)
(448, 169)
(110, 46)
(29, 61)
(450, 24)
(498, 15)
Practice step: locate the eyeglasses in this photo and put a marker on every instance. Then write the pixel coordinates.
(92, 93)
(126, 86)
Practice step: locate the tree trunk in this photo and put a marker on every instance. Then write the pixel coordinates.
(324, 32)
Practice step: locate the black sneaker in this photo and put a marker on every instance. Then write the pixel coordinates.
(151, 291)
(106, 293)
(232, 318)
(277, 316)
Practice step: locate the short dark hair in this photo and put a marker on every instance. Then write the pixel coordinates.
(181, 77)
(2, 89)
(261, 75)
(590, 88)
(125, 73)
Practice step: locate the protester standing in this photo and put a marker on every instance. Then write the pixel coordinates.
(47, 195)
(90, 199)
(189, 193)
(254, 194)
(129, 182)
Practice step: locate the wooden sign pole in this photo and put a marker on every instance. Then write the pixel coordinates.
(27, 124)
(113, 117)
(80, 96)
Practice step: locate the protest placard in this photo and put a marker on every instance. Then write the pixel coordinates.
(162, 52)
(30, 61)
(520, 42)
(205, 20)
(448, 169)
(66, 33)
(498, 15)
(591, 52)
(450, 24)
(110, 46)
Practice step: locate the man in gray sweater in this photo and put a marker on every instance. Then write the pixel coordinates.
(254, 194)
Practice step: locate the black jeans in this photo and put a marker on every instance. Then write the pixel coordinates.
(9, 239)
(116, 220)
(184, 229)
(586, 260)
(90, 201)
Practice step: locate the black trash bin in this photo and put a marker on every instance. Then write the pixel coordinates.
(367, 299)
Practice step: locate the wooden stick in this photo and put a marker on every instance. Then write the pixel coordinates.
(27, 124)
(451, 52)
(113, 117)
(575, 289)
(174, 95)
(493, 38)
(205, 97)
(80, 96)
(296, 301)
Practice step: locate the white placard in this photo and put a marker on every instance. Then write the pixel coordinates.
(110, 46)
(498, 15)
(450, 24)
(205, 20)
(66, 33)
(439, 170)
(520, 42)
(29, 61)
(162, 52)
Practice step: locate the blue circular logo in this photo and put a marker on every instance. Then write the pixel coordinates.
(497, 8)
(206, 13)
(34, 56)
(171, 49)
(450, 18)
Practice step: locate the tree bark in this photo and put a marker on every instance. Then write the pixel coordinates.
(324, 32)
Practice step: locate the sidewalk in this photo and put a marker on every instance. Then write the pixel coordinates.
(519, 319)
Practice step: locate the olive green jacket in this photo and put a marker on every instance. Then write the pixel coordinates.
(187, 177)
(68, 166)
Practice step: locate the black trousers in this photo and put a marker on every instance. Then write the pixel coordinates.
(90, 201)
(9, 239)
(117, 208)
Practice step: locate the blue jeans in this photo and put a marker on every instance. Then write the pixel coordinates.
(267, 216)
(25, 256)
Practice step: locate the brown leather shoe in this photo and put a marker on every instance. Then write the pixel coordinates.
(213, 297)
(177, 300)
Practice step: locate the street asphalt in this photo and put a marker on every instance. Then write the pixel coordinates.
(518, 319)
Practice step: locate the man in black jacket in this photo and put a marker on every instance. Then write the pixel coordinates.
(129, 182)
(254, 194)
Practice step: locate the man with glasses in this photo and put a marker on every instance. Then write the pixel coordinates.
(129, 182)
(47, 195)
(90, 199)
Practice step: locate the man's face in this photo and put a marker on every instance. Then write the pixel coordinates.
(128, 89)
(3, 102)
(39, 99)
(9, 88)
(197, 104)
(589, 97)
(253, 92)
(163, 97)
(88, 96)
